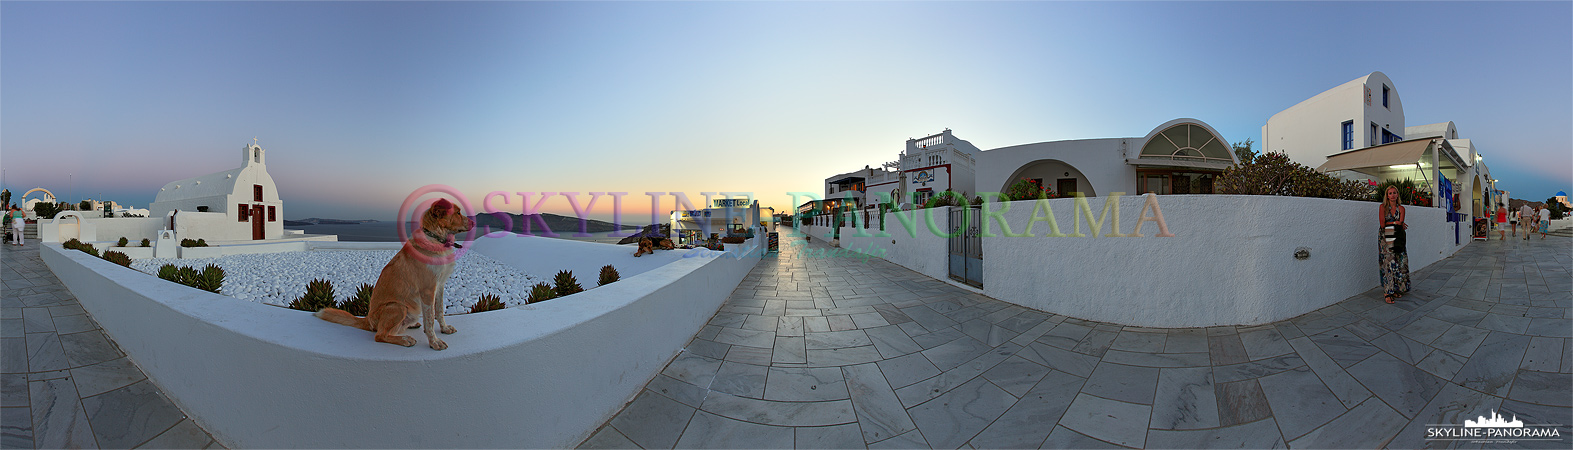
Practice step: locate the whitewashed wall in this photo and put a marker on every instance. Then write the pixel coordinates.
(1231, 261)
(918, 248)
(537, 376)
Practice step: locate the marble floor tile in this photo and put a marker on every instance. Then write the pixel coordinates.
(1402, 347)
(790, 350)
(789, 326)
(708, 430)
(805, 384)
(1492, 367)
(1505, 323)
(16, 427)
(12, 328)
(1108, 420)
(707, 348)
(1452, 405)
(88, 347)
(930, 388)
(1185, 399)
(1544, 415)
(1300, 402)
(748, 338)
(909, 440)
(891, 341)
(905, 370)
(1157, 359)
(1402, 386)
(59, 421)
(760, 323)
(1185, 341)
(1066, 335)
(74, 324)
(1265, 343)
(1060, 359)
(105, 376)
(1257, 369)
(653, 421)
(749, 355)
(1026, 423)
(1544, 354)
(937, 338)
(1370, 421)
(1131, 384)
(1343, 346)
(38, 320)
(1139, 342)
(816, 324)
(1425, 329)
(1016, 375)
(787, 414)
(880, 413)
(608, 438)
(13, 390)
(1461, 340)
(131, 415)
(837, 339)
(952, 419)
(829, 437)
(1546, 388)
(1241, 402)
(740, 379)
(1259, 434)
(693, 369)
(956, 352)
(44, 353)
(843, 356)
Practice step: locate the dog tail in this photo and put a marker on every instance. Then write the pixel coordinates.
(341, 317)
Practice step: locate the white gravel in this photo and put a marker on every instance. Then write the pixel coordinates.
(280, 278)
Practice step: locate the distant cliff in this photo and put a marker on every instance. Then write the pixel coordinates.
(317, 221)
(558, 224)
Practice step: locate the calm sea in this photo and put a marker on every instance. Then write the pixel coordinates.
(388, 232)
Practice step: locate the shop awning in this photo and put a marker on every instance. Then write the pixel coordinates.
(1397, 153)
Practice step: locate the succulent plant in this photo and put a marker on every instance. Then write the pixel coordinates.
(487, 302)
(168, 272)
(211, 278)
(608, 275)
(566, 284)
(117, 258)
(146, 243)
(541, 292)
(360, 303)
(319, 294)
(123, 241)
(202, 242)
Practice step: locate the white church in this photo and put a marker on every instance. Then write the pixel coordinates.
(237, 204)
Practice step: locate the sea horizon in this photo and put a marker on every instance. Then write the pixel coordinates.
(387, 231)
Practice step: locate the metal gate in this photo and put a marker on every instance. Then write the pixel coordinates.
(966, 247)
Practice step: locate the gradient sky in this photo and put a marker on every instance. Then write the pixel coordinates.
(360, 103)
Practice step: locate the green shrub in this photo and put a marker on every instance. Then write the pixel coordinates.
(169, 272)
(146, 243)
(202, 242)
(75, 244)
(1025, 189)
(319, 294)
(541, 292)
(123, 242)
(360, 303)
(211, 279)
(1274, 173)
(608, 275)
(946, 198)
(732, 240)
(117, 258)
(566, 284)
(193, 243)
(487, 302)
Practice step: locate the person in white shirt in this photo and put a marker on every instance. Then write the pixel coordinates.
(1526, 216)
(1545, 222)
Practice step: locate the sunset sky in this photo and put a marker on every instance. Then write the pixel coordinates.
(360, 103)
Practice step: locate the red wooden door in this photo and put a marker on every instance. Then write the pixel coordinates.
(257, 220)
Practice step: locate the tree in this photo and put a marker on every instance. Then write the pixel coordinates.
(5, 198)
(1558, 210)
(46, 210)
(85, 206)
(1242, 151)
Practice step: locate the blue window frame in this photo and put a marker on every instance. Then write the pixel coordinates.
(1372, 137)
(1385, 90)
(1349, 135)
(1388, 136)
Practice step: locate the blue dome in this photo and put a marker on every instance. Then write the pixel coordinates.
(1562, 194)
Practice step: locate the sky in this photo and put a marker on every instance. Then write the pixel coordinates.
(361, 103)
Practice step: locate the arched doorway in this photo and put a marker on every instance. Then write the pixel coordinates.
(1058, 175)
(1184, 158)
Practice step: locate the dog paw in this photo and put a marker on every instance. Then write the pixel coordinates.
(438, 344)
(449, 329)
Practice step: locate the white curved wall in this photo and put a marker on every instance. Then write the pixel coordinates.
(538, 376)
(1101, 162)
(1231, 261)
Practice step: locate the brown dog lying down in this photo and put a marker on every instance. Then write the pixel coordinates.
(644, 248)
(412, 283)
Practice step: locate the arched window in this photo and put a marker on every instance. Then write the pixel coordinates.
(1187, 141)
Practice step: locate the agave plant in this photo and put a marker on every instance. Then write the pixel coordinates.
(211, 278)
(117, 258)
(487, 302)
(541, 292)
(360, 303)
(123, 241)
(319, 294)
(169, 272)
(146, 243)
(608, 275)
(566, 284)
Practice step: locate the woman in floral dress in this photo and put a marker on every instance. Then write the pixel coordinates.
(1394, 258)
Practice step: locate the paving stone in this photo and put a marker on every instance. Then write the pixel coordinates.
(1157, 359)
(790, 414)
(880, 413)
(693, 369)
(1546, 388)
(1505, 323)
(1108, 420)
(740, 379)
(843, 356)
(1259, 434)
(1016, 375)
(1402, 347)
(1241, 402)
(1264, 343)
(749, 355)
(1256, 369)
(747, 338)
(1452, 405)
(1132, 384)
(1343, 346)
(1370, 421)
(1404, 387)
(44, 353)
(708, 430)
(1139, 342)
(88, 347)
(1544, 415)
(790, 350)
(1185, 341)
(707, 348)
(1425, 329)
(1066, 335)
(952, 419)
(938, 338)
(1023, 425)
(909, 440)
(930, 388)
(891, 341)
(1442, 364)
(1550, 327)
(1461, 340)
(1060, 359)
(608, 438)
(802, 384)
(1300, 402)
(1492, 368)
(1185, 399)
(816, 324)
(59, 420)
(16, 429)
(955, 353)
(830, 437)
(1544, 354)
(837, 339)
(131, 415)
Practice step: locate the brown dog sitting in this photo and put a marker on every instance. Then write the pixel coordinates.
(665, 244)
(412, 283)
(644, 248)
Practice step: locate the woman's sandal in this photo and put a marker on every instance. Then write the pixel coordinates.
(1389, 299)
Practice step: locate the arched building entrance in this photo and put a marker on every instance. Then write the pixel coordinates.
(1054, 174)
(1182, 156)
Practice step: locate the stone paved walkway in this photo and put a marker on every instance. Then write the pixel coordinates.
(63, 382)
(841, 353)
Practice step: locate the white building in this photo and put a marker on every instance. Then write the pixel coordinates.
(924, 168)
(245, 198)
(1361, 113)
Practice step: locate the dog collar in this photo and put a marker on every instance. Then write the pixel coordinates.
(445, 242)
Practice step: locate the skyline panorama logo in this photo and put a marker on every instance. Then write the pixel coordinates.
(1494, 429)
